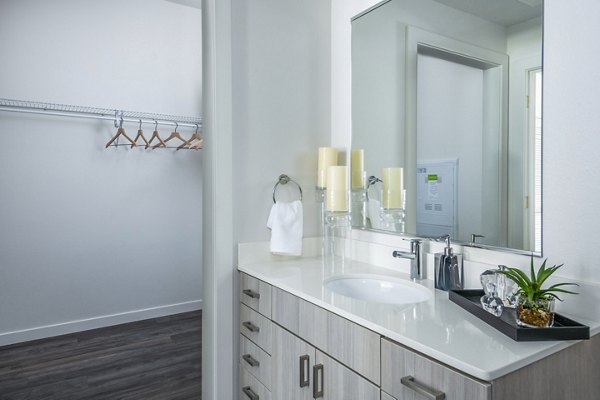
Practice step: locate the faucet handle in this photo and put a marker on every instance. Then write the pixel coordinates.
(474, 237)
(415, 244)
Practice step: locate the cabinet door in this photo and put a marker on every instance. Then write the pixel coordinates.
(405, 373)
(351, 344)
(291, 364)
(341, 383)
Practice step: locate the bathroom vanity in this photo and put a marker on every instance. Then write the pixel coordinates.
(301, 340)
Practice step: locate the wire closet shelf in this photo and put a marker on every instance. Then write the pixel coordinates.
(116, 115)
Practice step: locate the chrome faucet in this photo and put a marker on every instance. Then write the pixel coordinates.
(415, 257)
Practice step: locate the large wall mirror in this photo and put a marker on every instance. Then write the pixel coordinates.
(450, 91)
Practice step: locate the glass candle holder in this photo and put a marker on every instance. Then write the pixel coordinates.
(337, 243)
(358, 199)
(393, 219)
(320, 199)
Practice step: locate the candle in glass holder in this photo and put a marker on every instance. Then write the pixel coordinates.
(337, 189)
(393, 185)
(328, 156)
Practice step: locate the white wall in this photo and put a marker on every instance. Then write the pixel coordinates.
(92, 236)
(571, 140)
(281, 105)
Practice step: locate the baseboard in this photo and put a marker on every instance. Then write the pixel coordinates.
(46, 331)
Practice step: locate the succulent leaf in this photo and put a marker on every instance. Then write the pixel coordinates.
(531, 286)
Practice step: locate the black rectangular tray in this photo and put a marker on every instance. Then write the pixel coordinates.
(563, 329)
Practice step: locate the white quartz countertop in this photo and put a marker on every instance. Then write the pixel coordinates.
(436, 327)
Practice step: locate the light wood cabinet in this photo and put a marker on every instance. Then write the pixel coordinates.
(256, 294)
(406, 373)
(292, 363)
(255, 327)
(300, 372)
(385, 396)
(351, 344)
(251, 388)
(304, 352)
(256, 361)
(341, 383)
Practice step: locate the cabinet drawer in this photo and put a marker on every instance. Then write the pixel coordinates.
(255, 327)
(256, 361)
(347, 342)
(256, 294)
(251, 388)
(398, 362)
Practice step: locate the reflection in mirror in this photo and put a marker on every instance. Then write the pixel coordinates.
(450, 92)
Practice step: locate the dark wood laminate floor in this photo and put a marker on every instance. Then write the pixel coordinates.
(155, 359)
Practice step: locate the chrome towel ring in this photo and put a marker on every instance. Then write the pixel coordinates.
(284, 180)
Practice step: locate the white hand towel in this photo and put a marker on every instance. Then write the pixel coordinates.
(374, 212)
(286, 224)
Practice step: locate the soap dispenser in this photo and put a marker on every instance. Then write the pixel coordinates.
(448, 268)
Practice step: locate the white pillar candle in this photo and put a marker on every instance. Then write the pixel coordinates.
(337, 189)
(358, 168)
(393, 185)
(328, 156)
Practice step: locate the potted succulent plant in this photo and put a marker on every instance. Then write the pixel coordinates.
(535, 306)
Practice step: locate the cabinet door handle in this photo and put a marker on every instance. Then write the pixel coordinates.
(318, 378)
(428, 393)
(251, 327)
(251, 360)
(251, 293)
(304, 371)
(250, 393)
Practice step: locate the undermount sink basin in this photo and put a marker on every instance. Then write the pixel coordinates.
(378, 289)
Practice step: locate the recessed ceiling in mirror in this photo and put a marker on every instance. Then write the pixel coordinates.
(450, 91)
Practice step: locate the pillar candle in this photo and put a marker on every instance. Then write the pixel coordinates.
(328, 156)
(393, 185)
(337, 189)
(358, 168)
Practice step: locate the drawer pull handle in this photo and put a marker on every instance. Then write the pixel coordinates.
(251, 293)
(424, 391)
(250, 393)
(304, 371)
(318, 377)
(251, 360)
(251, 327)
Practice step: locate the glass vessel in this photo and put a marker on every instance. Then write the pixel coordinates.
(490, 300)
(337, 243)
(358, 198)
(538, 313)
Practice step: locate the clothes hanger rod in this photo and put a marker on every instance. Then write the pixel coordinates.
(27, 107)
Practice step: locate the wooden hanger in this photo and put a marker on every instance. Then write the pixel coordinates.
(194, 142)
(176, 134)
(161, 142)
(139, 134)
(120, 132)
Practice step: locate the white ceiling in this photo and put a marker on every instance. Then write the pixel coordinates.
(503, 12)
